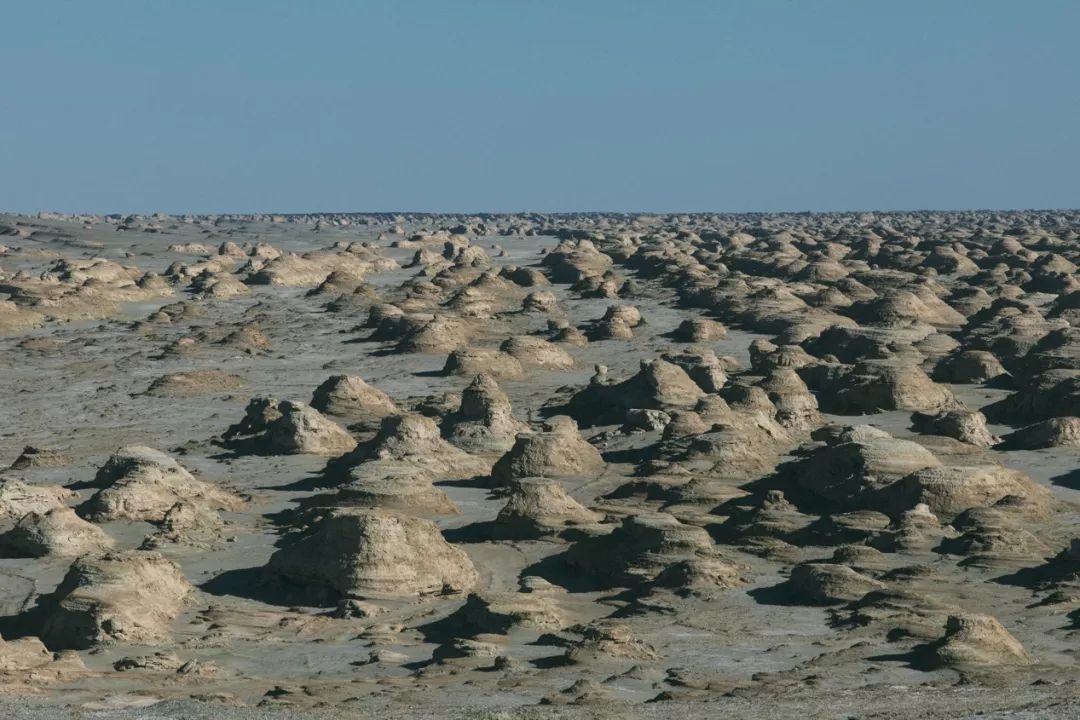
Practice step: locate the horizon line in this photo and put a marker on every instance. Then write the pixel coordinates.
(496, 213)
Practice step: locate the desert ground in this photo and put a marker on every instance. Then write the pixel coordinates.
(495, 466)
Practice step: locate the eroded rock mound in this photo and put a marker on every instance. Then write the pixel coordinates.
(872, 386)
(1055, 432)
(402, 487)
(989, 536)
(194, 382)
(375, 553)
(350, 398)
(969, 366)
(828, 584)
(703, 367)
(639, 549)
(949, 490)
(473, 361)
(498, 613)
(858, 463)
(141, 483)
(658, 385)
(538, 507)
(528, 350)
(572, 262)
(699, 330)
(35, 457)
(967, 426)
(796, 408)
(288, 427)
(58, 532)
(131, 596)
(485, 421)
(188, 523)
(702, 577)
(976, 642)
(413, 440)
(18, 497)
(25, 664)
(1054, 393)
(556, 451)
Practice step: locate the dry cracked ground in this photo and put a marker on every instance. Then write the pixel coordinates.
(540, 465)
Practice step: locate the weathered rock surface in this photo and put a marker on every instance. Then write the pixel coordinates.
(374, 553)
(128, 596)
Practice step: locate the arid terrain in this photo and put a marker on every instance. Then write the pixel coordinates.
(596, 465)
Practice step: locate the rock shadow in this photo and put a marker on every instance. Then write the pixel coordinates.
(255, 583)
(558, 571)
(477, 532)
(779, 594)
(1069, 479)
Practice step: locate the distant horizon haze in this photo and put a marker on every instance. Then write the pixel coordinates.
(689, 106)
(599, 213)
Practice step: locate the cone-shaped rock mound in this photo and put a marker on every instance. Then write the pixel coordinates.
(658, 385)
(537, 507)
(1055, 432)
(58, 531)
(141, 483)
(401, 487)
(375, 553)
(976, 642)
(131, 596)
(557, 451)
(485, 421)
(350, 398)
(413, 440)
(287, 427)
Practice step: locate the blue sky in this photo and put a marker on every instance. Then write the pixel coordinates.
(553, 105)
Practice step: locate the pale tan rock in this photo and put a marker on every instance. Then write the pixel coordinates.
(472, 361)
(349, 397)
(528, 350)
(540, 506)
(414, 440)
(485, 420)
(56, 532)
(402, 487)
(556, 451)
(18, 497)
(375, 553)
(1051, 433)
(140, 483)
(195, 382)
(949, 490)
(130, 596)
(967, 426)
(977, 641)
(826, 583)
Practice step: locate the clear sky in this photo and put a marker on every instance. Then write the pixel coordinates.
(547, 105)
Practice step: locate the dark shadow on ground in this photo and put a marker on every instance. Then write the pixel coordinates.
(255, 583)
(1070, 479)
(631, 456)
(556, 570)
(779, 594)
(482, 482)
(26, 623)
(312, 482)
(1053, 571)
(476, 532)
(239, 447)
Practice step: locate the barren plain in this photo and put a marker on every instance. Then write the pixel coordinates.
(494, 466)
